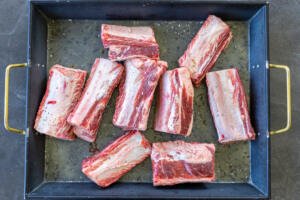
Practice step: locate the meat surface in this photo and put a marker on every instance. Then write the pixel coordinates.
(125, 52)
(107, 166)
(228, 106)
(205, 48)
(174, 110)
(86, 116)
(177, 162)
(136, 92)
(63, 90)
(124, 35)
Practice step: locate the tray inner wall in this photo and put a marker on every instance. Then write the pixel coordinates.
(76, 43)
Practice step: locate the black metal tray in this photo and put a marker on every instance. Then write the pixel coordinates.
(59, 29)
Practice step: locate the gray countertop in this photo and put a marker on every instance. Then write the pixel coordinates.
(284, 49)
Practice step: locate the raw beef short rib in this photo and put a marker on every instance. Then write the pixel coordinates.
(228, 106)
(125, 52)
(107, 166)
(125, 35)
(205, 48)
(104, 78)
(64, 88)
(174, 111)
(129, 42)
(136, 92)
(181, 162)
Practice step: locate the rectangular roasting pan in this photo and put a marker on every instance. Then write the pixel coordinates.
(68, 33)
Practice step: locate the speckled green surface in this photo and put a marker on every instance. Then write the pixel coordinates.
(78, 43)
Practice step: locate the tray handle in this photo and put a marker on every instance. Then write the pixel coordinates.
(6, 98)
(288, 98)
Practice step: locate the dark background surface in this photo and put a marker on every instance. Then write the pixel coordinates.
(284, 49)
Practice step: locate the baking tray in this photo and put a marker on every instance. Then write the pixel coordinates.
(68, 32)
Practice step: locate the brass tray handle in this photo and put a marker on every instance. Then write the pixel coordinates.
(6, 98)
(288, 99)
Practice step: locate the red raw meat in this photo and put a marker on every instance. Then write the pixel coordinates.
(124, 35)
(136, 93)
(125, 52)
(64, 88)
(228, 106)
(107, 166)
(205, 48)
(105, 76)
(174, 112)
(177, 162)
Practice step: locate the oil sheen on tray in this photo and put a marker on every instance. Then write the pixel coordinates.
(77, 43)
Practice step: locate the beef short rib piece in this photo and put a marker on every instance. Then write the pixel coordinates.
(125, 52)
(104, 78)
(107, 166)
(205, 48)
(136, 92)
(177, 162)
(228, 106)
(129, 42)
(174, 111)
(64, 88)
(125, 35)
